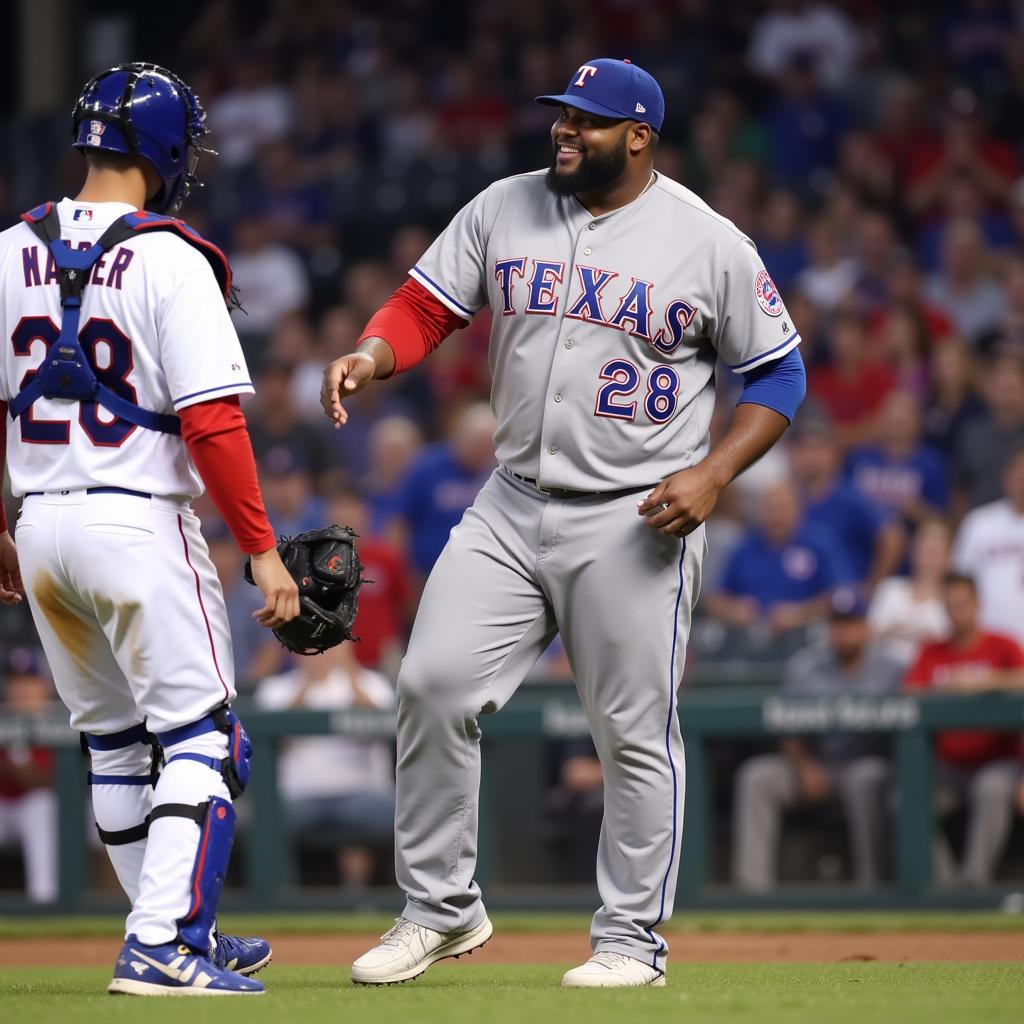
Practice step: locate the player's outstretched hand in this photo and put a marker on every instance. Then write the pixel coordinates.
(280, 591)
(681, 502)
(11, 587)
(344, 377)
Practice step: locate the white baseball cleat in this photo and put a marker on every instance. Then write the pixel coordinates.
(408, 949)
(613, 970)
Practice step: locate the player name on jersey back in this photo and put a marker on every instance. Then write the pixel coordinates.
(606, 330)
(156, 330)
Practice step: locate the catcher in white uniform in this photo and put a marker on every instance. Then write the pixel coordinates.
(119, 395)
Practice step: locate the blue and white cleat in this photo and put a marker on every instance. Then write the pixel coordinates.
(174, 970)
(244, 956)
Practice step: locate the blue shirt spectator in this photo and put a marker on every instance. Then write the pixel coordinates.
(901, 475)
(443, 482)
(802, 567)
(853, 521)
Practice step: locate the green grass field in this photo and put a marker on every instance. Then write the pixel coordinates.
(825, 993)
(701, 994)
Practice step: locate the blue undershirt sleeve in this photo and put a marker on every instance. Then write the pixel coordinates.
(779, 385)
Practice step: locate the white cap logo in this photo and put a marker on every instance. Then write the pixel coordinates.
(641, 109)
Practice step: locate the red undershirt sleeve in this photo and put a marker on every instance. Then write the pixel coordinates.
(218, 441)
(413, 323)
(3, 463)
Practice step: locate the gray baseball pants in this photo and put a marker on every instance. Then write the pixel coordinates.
(520, 567)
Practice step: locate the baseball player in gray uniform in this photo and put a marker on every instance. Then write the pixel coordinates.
(614, 292)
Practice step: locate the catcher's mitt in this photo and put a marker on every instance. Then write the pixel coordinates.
(326, 567)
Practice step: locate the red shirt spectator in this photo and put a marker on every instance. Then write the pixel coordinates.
(37, 762)
(948, 665)
(383, 601)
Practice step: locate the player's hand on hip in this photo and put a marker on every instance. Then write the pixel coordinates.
(681, 502)
(280, 591)
(11, 586)
(345, 376)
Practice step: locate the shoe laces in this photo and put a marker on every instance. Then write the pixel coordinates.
(400, 933)
(611, 960)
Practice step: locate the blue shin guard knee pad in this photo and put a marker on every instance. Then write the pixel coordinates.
(216, 833)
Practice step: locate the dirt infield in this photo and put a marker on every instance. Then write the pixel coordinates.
(555, 947)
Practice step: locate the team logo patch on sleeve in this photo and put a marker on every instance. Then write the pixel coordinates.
(767, 294)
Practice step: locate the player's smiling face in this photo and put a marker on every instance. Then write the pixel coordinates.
(588, 151)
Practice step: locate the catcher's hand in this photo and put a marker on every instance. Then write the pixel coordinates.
(326, 568)
(280, 591)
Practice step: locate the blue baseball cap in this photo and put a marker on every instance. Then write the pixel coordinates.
(613, 88)
(847, 602)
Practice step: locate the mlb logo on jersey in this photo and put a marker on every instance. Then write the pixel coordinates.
(83, 215)
(767, 294)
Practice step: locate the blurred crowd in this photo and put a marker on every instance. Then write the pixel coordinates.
(873, 155)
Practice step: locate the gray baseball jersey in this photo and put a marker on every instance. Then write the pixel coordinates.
(606, 329)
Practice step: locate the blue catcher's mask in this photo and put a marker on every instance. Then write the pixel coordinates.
(145, 110)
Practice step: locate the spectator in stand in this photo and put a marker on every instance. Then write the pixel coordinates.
(296, 210)
(864, 168)
(780, 239)
(854, 383)
(292, 505)
(818, 32)
(257, 653)
(442, 483)
(386, 598)
(979, 770)
(990, 545)
(393, 444)
(905, 346)
(293, 343)
(952, 400)
(276, 422)
(878, 253)
(782, 572)
(831, 274)
(964, 151)
(409, 132)
(871, 542)
(255, 111)
(28, 801)
(908, 611)
(965, 288)
(900, 473)
(336, 783)
(902, 130)
(805, 126)
(1013, 282)
(851, 767)
(271, 279)
(984, 444)
(473, 116)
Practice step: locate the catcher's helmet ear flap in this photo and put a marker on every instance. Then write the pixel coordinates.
(147, 111)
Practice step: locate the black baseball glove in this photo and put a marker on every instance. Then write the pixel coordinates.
(326, 567)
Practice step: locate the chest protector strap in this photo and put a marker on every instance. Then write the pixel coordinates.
(66, 372)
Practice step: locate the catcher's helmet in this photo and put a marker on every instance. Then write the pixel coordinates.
(145, 110)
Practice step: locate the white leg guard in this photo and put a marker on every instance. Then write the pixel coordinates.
(170, 886)
(121, 781)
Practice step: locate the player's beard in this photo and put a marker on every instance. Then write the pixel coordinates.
(594, 173)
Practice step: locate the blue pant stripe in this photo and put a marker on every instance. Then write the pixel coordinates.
(668, 751)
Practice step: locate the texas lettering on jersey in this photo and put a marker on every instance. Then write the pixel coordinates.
(606, 331)
(633, 309)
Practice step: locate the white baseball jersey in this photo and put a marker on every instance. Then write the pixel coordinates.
(606, 329)
(990, 547)
(154, 324)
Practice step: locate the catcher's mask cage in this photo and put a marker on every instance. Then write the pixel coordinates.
(144, 110)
